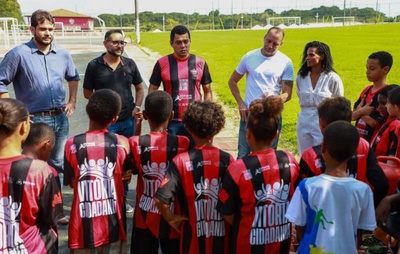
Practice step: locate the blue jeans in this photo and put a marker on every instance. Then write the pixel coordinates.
(60, 124)
(176, 127)
(125, 128)
(244, 148)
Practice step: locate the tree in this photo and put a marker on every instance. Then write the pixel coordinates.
(11, 9)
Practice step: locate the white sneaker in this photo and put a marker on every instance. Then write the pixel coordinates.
(129, 208)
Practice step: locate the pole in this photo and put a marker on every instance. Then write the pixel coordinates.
(137, 27)
(344, 11)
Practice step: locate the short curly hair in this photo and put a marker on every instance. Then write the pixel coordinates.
(205, 119)
(103, 106)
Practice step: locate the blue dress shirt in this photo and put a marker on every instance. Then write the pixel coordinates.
(37, 77)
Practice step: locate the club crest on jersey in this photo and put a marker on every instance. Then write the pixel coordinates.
(207, 187)
(209, 221)
(96, 188)
(9, 228)
(277, 192)
(154, 169)
(193, 74)
(269, 223)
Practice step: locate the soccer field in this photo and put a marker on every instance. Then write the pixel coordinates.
(350, 47)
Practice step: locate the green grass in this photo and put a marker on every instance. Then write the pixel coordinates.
(350, 47)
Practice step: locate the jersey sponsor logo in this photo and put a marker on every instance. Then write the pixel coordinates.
(10, 241)
(249, 175)
(183, 85)
(209, 221)
(203, 163)
(270, 224)
(84, 145)
(183, 97)
(148, 149)
(153, 175)
(96, 188)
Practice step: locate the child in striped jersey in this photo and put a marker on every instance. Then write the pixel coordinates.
(93, 166)
(386, 141)
(30, 198)
(152, 153)
(257, 188)
(38, 145)
(195, 177)
(362, 165)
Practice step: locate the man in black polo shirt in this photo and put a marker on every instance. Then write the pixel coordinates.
(113, 71)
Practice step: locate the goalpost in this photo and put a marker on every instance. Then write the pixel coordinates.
(284, 20)
(7, 30)
(345, 21)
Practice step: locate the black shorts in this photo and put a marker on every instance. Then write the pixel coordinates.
(144, 242)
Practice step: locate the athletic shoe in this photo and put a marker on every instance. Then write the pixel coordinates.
(129, 208)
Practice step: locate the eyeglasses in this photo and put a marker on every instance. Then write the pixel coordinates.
(116, 43)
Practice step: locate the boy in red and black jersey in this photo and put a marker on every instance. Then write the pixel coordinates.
(362, 165)
(195, 178)
(152, 154)
(257, 188)
(366, 108)
(38, 145)
(386, 141)
(30, 198)
(94, 164)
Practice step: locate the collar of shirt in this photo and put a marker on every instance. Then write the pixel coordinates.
(101, 60)
(34, 49)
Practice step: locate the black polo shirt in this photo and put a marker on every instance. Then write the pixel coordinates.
(100, 75)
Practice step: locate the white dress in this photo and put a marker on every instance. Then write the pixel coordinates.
(307, 128)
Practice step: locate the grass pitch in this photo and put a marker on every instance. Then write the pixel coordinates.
(350, 47)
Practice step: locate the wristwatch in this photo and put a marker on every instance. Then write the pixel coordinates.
(138, 107)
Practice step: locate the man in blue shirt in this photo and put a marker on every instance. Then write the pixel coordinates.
(37, 70)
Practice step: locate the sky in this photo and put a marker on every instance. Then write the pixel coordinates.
(97, 7)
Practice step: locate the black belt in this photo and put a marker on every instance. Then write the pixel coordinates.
(52, 112)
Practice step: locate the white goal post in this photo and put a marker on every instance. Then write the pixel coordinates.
(345, 21)
(284, 20)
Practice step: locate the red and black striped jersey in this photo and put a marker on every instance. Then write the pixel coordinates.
(195, 178)
(386, 141)
(30, 205)
(181, 79)
(93, 166)
(257, 190)
(152, 154)
(366, 131)
(363, 166)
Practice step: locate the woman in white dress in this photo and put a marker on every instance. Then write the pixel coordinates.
(315, 81)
